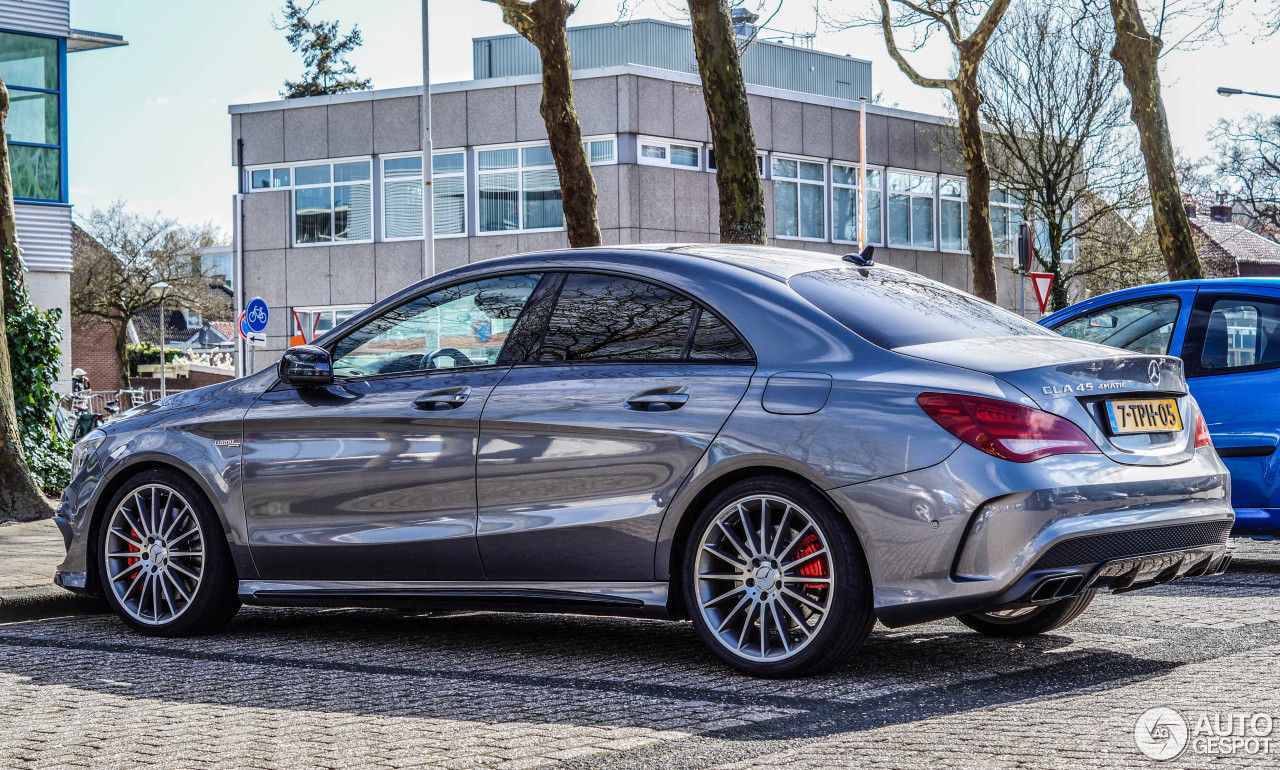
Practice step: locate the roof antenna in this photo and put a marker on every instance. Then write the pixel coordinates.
(861, 260)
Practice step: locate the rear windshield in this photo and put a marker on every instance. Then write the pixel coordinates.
(894, 308)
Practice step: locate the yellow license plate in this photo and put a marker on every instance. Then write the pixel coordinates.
(1145, 415)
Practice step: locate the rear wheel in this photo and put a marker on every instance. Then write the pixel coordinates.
(1028, 621)
(775, 580)
(165, 567)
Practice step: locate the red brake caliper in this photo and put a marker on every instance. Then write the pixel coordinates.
(131, 563)
(814, 568)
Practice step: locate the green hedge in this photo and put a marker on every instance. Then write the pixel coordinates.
(33, 357)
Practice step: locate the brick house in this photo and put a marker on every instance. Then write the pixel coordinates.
(1228, 249)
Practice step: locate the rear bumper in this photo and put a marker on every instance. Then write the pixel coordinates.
(973, 533)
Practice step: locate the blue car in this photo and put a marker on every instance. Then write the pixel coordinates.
(1227, 332)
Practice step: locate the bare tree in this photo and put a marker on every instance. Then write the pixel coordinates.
(20, 497)
(1247, 168)
(120, 258)
(545, 24)
(1060, 136)
(1138, 48)
(724, 90)
(968, 26)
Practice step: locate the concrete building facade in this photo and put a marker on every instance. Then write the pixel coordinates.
(330, 184)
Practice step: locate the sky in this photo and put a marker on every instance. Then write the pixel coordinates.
(148, 123)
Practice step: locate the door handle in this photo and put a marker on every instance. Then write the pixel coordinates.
(445, 398)
(663, 400)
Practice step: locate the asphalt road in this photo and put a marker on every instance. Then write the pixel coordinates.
(355, 688)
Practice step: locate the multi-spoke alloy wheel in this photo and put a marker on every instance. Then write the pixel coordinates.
(764, 578)
(776, 583)
(163, 560)
(154, 554)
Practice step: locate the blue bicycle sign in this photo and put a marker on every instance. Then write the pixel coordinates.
(256, 315)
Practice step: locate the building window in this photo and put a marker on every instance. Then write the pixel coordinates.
(269, 178)
(449, 194)
(309, 323)
(711, 161)
(333, 202)
(844, 204)
(657, 152)
(402, 197)
(601, 151)
(953, 211)
(32, 70)
(799, 190)
(519, 189)
(1006, 215)
(911, 210)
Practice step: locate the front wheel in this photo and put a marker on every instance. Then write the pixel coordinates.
(1028, 621)
(164, 562)
(775, 580)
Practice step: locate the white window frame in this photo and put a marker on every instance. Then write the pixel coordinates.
(293, 186)
(762, 162)
(886, 192)
(272, 167)
(826, 196)
(475, 179)
(586, 140)
(1013, 237)
(466, 167)
(321, 309)
(964, 212)
(857, 191)
(382, 192)
(666, 145)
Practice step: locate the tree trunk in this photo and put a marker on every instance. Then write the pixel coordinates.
(20, 498)
(577, 185)
(1138, 53)
(1058, 294)
(725, 92)
(122, 337)
(982, 248)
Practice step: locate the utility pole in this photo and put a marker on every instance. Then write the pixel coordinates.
(862, 173)
(428, 198)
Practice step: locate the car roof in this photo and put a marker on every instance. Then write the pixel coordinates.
(778, 263)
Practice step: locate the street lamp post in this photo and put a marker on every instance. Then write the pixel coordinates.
(1224, 91)
(163, 287)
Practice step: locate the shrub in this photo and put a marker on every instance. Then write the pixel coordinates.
(144, 353)
(33, 358)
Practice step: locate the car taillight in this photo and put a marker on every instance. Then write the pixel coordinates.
(1003, 429)
(1202, 433)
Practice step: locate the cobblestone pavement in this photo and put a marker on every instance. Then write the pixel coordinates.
(359, 688)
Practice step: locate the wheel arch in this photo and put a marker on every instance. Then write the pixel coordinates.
(117, 480)
(690, 501)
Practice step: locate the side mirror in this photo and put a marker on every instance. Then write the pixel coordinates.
(306, 365)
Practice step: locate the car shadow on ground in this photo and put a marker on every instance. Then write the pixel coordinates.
(492, 667)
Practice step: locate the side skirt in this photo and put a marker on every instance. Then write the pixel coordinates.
(646, 600)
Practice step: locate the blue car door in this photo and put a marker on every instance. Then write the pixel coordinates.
(1232, 357)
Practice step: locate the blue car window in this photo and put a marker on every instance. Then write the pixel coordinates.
(1144, 326)
(1232, 334)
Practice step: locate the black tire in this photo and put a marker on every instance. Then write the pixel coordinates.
(849, 617)
(1038, 620)
(214, 599)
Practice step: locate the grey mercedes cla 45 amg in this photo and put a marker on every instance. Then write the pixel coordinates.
(781, 446)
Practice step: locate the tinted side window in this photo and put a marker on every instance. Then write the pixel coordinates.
(604, 317)
(1143, 327)
(713, 340)
(1233, 334)
(463, 325)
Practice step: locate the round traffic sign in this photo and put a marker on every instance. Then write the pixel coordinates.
(256, 314)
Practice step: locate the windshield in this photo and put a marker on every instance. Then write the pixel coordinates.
(895, 308)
